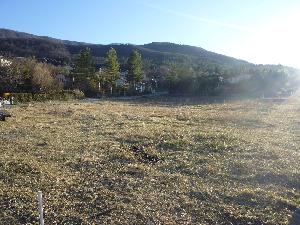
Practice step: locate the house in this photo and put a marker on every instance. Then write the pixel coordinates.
(120, 82)
(122, 79)
(140, 87)
(123, 74)
(61, 78)
(4, 62)
(239, 78)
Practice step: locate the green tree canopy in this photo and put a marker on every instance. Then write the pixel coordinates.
(135, 67)
(112, 66)
(84, 69)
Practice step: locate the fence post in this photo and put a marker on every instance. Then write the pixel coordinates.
(40, 203)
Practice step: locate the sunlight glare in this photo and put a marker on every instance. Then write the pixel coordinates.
(276, 42)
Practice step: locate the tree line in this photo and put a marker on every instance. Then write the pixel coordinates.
(87, 78)
(203, 79)
(31, 75)
(116, 76)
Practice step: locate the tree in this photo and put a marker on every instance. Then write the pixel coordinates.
(5, 74)
(100, 80)
(42, 79)
(180, 78)
(112, 68)
(84, 69)
(135, 68)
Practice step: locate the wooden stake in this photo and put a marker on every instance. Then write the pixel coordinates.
(40, 203)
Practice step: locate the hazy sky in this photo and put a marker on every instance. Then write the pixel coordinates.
(260, 31)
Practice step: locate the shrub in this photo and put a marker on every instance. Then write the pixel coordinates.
(77, 94)
(42, 97)
(23, 97)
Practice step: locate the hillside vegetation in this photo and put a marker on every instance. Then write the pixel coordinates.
(156, 161)
(162, 66)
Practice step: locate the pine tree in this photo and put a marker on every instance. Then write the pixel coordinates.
(112, 67)
(135, 68)
(84, 69)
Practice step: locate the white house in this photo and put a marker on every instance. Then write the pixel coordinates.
(4, 62)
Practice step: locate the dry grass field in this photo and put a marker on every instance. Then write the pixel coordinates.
(151, 162)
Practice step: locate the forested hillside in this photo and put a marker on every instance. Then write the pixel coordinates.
(181, 69)
(23, 44)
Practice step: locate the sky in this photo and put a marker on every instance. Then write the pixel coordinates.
(259, 31)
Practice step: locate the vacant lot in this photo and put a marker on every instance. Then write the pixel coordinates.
(151, 162)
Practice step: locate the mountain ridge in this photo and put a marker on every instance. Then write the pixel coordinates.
(25, 44)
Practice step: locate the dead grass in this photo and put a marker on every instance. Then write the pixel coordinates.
(233, 163)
